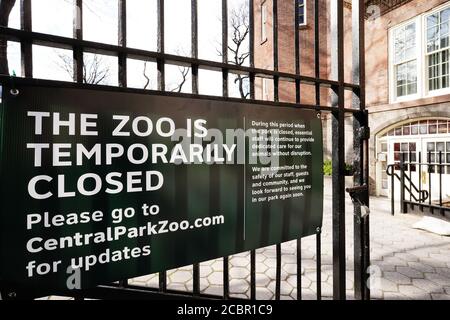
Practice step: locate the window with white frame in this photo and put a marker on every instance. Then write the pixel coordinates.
(420, 56)
(301, 7)
(263, 22)
(405, 60)
(438, 49)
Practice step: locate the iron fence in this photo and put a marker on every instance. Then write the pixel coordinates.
(27, 38)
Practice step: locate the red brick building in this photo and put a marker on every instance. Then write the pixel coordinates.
(407, 68)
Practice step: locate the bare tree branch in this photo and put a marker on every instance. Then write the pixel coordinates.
(94, 69)
(240, 28)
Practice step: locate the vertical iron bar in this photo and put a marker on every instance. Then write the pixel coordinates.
(252, 96)
(225, 47)
(299, 269)
(252, 46)
(26, 46)
(122, 37)
(298, 100)
(393, 191)
(122, 61)
(410, 179)
(194, 70)
(429, 182)
(226, 274)
(360, 124)
(226, 278)
(253, 275)
(420, 182)
(78, 34)
(161, 35)
(161, 87)
(194, 44)
(441, 169)
(317, 49)
(404, 208)
(338, 204)
(297, 51)
(319, 264)
(275, 50)
(278, 273)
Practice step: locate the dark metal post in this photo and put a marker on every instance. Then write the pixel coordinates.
(430, 170)
(319, 264)
(161, 86)
(122, 42)
(194, 69)
(78, 34)
(393, 191)
(360, 147)
(421, 200)
(160, 62)
(338, 205)
(26, 46)
(275, 50)
(404, 208)
(441, 169)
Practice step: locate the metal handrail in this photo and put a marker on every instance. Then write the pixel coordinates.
(423, 194)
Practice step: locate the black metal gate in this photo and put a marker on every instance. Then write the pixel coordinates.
(337, 110)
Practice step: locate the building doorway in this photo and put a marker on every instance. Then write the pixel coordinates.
(421, 139)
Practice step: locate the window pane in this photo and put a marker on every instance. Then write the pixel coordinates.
(210, 82)
(433, 20)
(440, 146)
(405, 147)
(415, 128)
(432, 39)
(431, 146)
(423, 127)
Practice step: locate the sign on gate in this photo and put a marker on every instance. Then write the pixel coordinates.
(98, 186)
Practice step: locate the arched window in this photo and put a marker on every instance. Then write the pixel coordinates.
(422, 127)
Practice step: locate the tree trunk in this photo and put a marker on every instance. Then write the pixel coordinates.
(5, 9)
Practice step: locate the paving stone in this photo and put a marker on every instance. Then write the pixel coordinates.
(215, 278)
(438, 278)
(239, 261)
(214, 290)
(264, 294)
(394, 296)
(427, 285)
(410, 272)
(238, 286)
(439, 296)
(397, 277)
(261, 280)
(239, 273)
(420, 266)
(205, 271)
(414, 292)
(181, 276)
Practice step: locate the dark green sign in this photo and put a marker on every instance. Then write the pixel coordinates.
(100, 186)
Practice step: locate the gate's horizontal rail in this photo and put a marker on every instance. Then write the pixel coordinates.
(65, 84)
(114, 50)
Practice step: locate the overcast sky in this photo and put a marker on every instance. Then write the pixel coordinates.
(100, 24)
